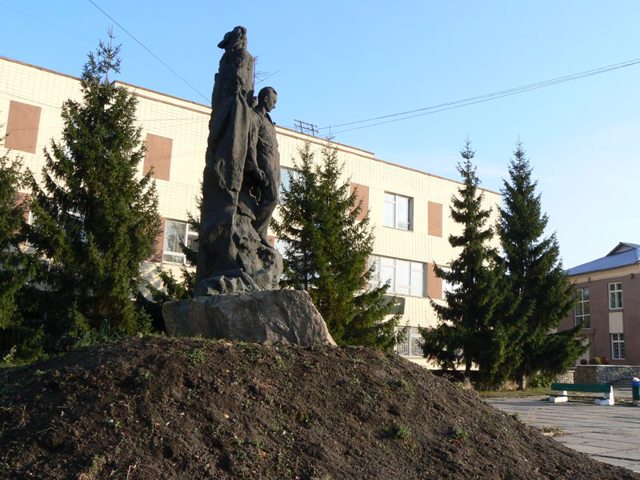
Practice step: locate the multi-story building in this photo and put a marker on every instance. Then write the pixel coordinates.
(608, 305)
(408, 208)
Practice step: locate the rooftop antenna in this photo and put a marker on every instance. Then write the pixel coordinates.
(306, 128)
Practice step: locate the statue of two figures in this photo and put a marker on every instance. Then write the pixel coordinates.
(241, 180)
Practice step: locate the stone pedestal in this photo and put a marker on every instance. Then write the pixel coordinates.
(267, 317)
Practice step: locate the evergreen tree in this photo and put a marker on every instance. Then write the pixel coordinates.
(19, 341)
(327, 251)
(468, 332)
(95, 220)
(535, 282)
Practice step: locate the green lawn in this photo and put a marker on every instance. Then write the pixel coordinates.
(530, 392)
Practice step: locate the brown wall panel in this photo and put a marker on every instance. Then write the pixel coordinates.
(362, 197)
(158, 156)
(435, 219)
(22, 127)
(434, 283)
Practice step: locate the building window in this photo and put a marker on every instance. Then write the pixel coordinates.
(175, 235)
(615, 296)
(583, 309)
(397, 211)
(285, 179)
(411, 346)
(403, 276)
(617, 346)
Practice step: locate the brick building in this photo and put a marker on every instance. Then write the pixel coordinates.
(608, 305)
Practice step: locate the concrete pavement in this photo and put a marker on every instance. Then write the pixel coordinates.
(608, 434)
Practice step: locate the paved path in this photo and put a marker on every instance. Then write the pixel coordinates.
(608, 434)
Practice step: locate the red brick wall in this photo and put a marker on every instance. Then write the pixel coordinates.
(599, 331)
(631, 303)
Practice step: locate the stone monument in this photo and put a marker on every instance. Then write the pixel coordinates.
(238, 269)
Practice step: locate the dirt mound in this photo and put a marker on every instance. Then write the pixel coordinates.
(158, 408)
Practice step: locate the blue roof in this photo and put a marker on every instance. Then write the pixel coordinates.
(623, 255)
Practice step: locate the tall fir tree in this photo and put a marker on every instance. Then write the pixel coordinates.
(95, 219)
(468, 333)
(536, 285)
(327, 252)
(19, 339)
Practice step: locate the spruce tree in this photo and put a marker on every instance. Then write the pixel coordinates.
(468, 332)
(19, 340)
(96, 220)
(327, 252)
(535, 282)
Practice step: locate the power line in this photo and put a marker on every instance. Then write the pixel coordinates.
(50, 25)
(149, 50)
(480, 98)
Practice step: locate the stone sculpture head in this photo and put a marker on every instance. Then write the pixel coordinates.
(267, 98)
(236, 38)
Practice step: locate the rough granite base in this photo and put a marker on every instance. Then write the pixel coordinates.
(267, 317)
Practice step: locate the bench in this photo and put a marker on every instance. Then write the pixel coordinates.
(564, 388)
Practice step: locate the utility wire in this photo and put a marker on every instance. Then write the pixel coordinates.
(480, 98)
(149, 50)
(50, 25)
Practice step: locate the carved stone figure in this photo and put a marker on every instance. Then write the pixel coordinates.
(267, 162)
(232, 256)
(237, 273)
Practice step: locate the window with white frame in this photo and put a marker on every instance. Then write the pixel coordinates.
(411, 346)
(398, 211)
(617, 346)
(175, 235)
(615, 296)
(583, 309)
(285, 179)
(403, 276)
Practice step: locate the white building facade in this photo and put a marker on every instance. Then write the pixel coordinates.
(408, 208)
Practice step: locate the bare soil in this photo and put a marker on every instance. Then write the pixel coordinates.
(165, 408)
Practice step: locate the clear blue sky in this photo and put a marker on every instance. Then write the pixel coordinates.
(334, 62)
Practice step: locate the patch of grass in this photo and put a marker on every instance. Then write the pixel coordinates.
(97, 463)
(304, 418)
(280, 361)
(529, 392)
(251, 351)
(397, 384)
(196, 356)
(396, 432)
(458, 435)
(517, 417)
(551, 430)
